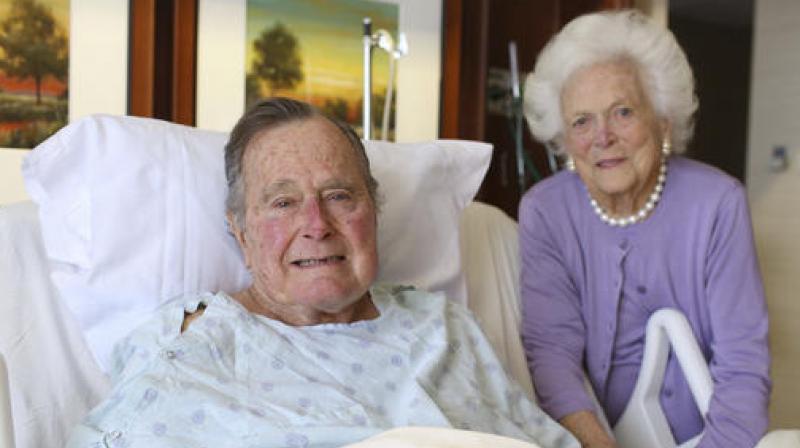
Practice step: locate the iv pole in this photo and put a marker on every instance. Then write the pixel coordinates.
(366, 113)
(383, 40)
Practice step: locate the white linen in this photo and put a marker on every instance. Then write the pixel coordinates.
(422, 437)
(6, 426)
(490, 249)
(132, 215)
(53, 377)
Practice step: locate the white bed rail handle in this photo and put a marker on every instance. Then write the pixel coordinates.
(643, 422)
(6, 426)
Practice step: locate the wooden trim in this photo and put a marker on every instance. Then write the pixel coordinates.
(616, 4)
(142, 57)
(473, 90)
(184, 54)
(466, 25)
(451, 69)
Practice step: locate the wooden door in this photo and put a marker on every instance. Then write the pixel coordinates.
(476, 37)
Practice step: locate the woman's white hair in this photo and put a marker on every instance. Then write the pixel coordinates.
(626, 35)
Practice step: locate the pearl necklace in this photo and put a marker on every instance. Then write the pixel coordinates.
(644, 211)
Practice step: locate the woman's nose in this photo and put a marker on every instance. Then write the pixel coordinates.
(316, 224)
(604, 136)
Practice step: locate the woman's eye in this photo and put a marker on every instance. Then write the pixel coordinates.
(624, 112)
(580, 122)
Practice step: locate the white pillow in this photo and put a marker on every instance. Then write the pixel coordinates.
(132, 214)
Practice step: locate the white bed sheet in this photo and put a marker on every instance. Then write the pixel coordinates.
(490, 251)
(53, 378)
(55, 381)
(419, 437)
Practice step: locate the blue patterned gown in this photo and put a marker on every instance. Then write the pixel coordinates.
(234, 378)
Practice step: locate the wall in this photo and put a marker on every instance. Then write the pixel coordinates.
(774, 108)
(657, 9)
(11, 187)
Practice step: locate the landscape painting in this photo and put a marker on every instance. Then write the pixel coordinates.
(34, 36)
(312, 50)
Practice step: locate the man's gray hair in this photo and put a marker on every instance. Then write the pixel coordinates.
(627, 36)
(270, 114)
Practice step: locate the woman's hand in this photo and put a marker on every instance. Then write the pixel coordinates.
(585, 426)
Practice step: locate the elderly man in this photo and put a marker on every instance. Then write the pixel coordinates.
(311, 354)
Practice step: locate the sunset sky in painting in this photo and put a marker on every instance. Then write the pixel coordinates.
(329, 34)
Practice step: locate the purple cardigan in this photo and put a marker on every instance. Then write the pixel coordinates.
(695, 253)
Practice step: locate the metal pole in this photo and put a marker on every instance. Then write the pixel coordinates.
(366, 118)
(516, 102)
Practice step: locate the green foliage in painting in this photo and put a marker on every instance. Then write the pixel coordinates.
(277, 60)
(336, 108)
(34, 44)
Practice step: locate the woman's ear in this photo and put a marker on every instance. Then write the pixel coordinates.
(239, 234)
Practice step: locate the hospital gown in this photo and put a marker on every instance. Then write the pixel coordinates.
(234, 378)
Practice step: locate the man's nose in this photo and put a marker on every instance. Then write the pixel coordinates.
(316, 223)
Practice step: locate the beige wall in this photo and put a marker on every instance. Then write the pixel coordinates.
(11, 187)
(657, 9)
(775, 120)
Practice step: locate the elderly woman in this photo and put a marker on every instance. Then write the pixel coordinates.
(630, 228)
(311, 354)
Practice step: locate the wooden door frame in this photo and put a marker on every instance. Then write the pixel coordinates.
(145, 49)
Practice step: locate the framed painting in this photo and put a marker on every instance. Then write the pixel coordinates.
(89, 55)
(226, 51)
(34, 54)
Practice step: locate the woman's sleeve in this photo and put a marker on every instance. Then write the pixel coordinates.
(552, 326)
(740, 357)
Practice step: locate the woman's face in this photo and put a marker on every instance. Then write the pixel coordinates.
(612, 134)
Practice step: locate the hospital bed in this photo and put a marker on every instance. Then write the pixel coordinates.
(54, 377)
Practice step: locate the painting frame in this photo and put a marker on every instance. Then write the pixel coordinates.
(98, 76)
(221, 49)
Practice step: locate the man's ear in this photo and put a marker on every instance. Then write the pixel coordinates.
(239, 234)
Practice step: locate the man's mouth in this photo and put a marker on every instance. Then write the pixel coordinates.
(314, 262)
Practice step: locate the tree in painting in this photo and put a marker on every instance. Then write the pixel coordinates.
(277, 58)
(336, 108)
(34, 45)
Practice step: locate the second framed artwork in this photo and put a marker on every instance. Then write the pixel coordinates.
(312, 50)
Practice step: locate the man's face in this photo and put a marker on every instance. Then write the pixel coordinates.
(310, 226)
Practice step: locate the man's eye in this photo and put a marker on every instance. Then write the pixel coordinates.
(282, 203)
(339, 196)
